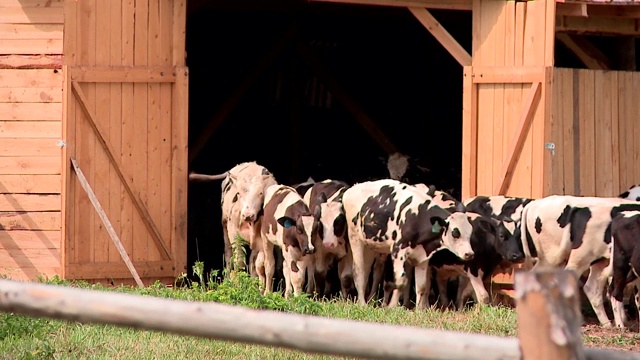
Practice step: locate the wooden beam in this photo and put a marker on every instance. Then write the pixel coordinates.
(236, 95)
(429, 4)
(123, 74)
(549, 317)
(448, 41)
(126, 180)
(519, 138)
(614, 11)
(597, 26)
(105, 220)
(116, 270)
(588, 53)
(507, 74)
(569, 9)
(343, 96)
(30, 61)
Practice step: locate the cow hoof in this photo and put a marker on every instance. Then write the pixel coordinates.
(606, 325)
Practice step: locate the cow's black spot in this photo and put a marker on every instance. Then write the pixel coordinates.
(394, 235)
(607, 235)
(565, 218)
(480, 205)
(623, 207)
(294, 266)
(402, 207)
(235, 198)
(404, 187)
(339, 225)
(455, 233)
(624, 194)
(510, 207)
(538, 225)
(638, 198)
(377, 211)
(579, 218)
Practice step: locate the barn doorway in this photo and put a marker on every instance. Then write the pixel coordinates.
(289, 84)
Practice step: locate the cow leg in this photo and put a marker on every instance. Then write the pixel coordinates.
(378, 274)
(619, 267)
(269, 264)
(442, 278)
(406, 291)
(422, 276)
(362, 261)
(482, 295)
(399, 278)
(594, 288)
(345, 272)
(298, 275)
(260, 268)
(465, 290)
(227, 247)
(238, 262)
(286, 271)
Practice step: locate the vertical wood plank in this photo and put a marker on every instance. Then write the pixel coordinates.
(510, 108)
(603, 135)
(519, 187)
(141, 238)
(469, 135)
(166, 102)
(179, 31)
(102, 165)
(127, 215)
(498, 158)
(70, 26)
(625, 129)
(535, 52)
(615, 140)
(557, 168)
(636, 128)
(154, 118)
(564, 79)
(587, 126)
(179, 142)
(116, 188)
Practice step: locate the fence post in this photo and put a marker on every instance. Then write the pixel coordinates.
(549, 317)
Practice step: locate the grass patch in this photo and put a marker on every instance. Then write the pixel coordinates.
(32, 338)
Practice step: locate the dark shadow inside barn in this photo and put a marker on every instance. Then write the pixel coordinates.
(289, 84)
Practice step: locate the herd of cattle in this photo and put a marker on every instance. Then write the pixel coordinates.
(390, 233)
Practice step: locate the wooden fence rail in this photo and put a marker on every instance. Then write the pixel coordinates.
(233, 323)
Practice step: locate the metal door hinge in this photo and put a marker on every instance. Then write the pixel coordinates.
(61, 143)
(550, 146)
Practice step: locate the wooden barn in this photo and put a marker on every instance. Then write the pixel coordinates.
(117, 100)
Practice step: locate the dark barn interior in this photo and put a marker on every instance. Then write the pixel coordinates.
(290, 119)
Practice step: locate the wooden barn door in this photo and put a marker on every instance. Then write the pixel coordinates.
(125, 122)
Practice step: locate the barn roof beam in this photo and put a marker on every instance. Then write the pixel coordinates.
(588, 53)
(429, 4)
(597, 25)
(236, 95)
(324, 75)
(442, 35)
(599, 10)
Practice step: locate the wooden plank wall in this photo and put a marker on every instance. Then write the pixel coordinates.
(509, 34)
(594, 127)
(30, 129)
(138, 119)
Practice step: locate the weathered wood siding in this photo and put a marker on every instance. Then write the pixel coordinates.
(125, 74)
(30, 129)
(594, 126)
(512, 48)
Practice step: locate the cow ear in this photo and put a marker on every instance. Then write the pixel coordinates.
(432, 190)
(460, 207)
(437, 225)
(233, 178)
(317, 211)
(286, 222)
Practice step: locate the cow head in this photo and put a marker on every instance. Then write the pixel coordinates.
(507, 243)
(455, 232)
(251, 194)
(331, 222)
(399, 164)
(300, 229)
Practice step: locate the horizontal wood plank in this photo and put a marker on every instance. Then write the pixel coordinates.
(32, 15)
(428, 4)
(31, 129)
(33, 165)
(50, 220)
(119, 270)
(29, 202)
(30, 147)
(597, 26)
(30, 184)
(31, 111)
(125, 74)
(30, 46)
(507, 74)
(31, 3)
(31, 95)
(31, 31)
(31, 78)
(26, 273)
(33, 258)
(19, 239)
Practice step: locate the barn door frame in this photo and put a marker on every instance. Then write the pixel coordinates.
(540, 79)
(171, 262)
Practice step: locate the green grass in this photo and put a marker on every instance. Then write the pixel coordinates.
(32, 338)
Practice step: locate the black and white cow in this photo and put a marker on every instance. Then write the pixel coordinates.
(498, 206)
(625, 262)
(288, 224)
(243, 194)
(330, 240)
(302, 187)
(390, 217)
(405, 168)
(633, 193)
(573, 232)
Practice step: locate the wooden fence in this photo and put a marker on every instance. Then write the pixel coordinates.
(548, 323)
